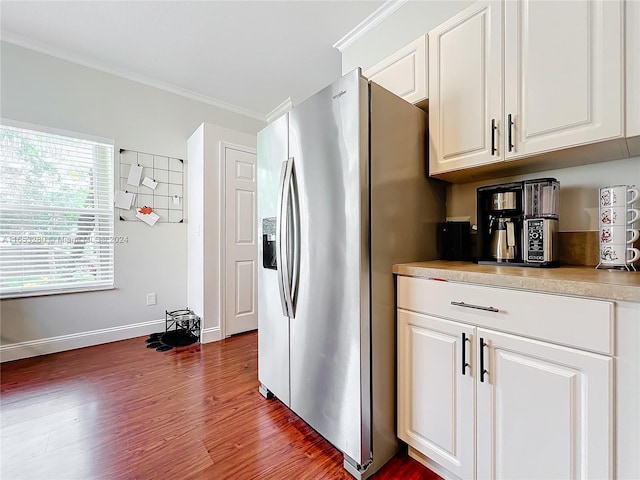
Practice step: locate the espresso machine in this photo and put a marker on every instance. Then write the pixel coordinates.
(518, 223)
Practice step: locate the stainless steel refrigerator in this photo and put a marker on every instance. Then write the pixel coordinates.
(343, 194)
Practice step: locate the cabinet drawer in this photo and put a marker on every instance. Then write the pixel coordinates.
(575, 322)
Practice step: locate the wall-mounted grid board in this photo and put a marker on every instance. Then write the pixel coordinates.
(167, 171)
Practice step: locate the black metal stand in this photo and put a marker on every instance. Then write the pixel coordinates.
(184, 320)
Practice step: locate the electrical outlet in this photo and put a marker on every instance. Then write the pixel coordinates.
(151, 299)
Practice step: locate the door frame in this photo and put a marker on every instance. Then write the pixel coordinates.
(222, 227)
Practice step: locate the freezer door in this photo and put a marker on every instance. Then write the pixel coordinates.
(330, 353)
(273, 325)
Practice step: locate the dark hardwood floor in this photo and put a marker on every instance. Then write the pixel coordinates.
(122, 411)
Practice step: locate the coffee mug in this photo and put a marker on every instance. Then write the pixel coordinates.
(618, 254)
(618, 234)
(618, 215)
(617, 195)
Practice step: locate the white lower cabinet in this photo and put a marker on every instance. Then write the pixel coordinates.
(436, 412)
(543, 411)
(475, 402)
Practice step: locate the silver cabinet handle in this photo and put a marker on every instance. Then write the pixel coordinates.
(477, 307)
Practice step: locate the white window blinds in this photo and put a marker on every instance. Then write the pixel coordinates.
(56, 212)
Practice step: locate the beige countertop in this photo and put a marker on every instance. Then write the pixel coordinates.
(583, 281)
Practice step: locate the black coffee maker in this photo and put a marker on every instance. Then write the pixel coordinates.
(518, 223)
(500, 221)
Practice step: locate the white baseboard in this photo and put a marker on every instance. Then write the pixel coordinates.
(431, 465)
(211, 335)
(44, 346)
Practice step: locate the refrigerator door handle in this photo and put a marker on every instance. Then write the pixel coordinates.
(294, 236)
(287, 235)
(280, 220)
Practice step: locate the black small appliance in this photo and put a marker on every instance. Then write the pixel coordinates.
(454, 240)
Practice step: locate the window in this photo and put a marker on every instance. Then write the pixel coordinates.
(56, 212)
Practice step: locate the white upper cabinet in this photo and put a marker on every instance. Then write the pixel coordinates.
(404, 72)
(563, 81)
(465, 89)
(560, 86)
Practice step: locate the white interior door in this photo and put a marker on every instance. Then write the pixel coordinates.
(241, 249)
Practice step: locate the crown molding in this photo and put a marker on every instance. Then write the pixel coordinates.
(385, 10)
(280, 110)
(62, 54)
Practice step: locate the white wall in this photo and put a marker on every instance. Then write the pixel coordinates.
(195, 236)
(44, 90)
(413, 19)
(206, 269)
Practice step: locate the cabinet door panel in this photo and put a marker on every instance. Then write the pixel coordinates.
(465, 88)
(435, 401)
(544, 411)
(404, 72)
(563, 73)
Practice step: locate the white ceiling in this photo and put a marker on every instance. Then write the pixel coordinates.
(248, 55)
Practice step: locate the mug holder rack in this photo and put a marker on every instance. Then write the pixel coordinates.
(626, 266)
(629, 267)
